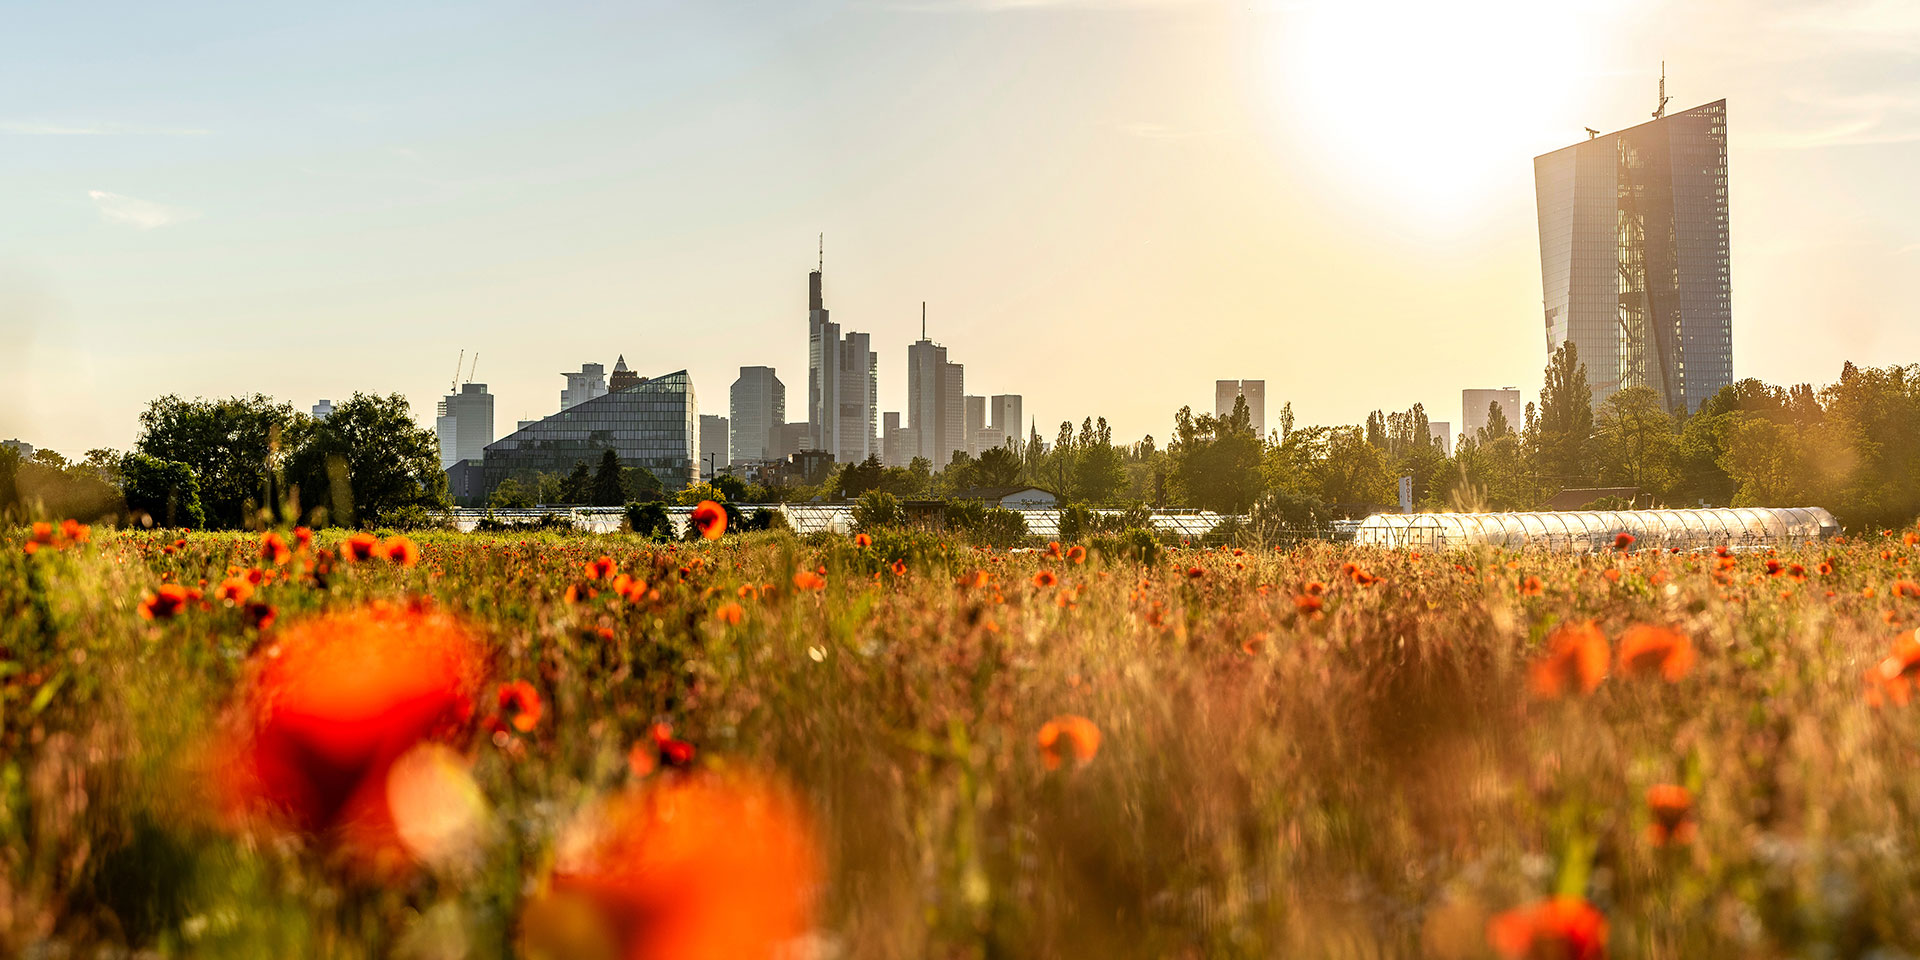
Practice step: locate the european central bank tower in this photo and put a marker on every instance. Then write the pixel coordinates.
(1633, 256)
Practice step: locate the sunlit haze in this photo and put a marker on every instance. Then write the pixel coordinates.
(1107, 205)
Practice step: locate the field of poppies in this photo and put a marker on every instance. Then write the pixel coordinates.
(286, 744)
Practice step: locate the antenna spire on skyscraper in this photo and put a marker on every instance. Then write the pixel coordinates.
(923, 319)
(1661, 110)
(822, 266)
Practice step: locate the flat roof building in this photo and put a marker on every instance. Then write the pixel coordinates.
(651, 425)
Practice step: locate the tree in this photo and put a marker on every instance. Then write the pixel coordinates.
(165, 490)
(691, 496)
(368, 460)
(1216, 460)
(1636, 442)
(608, 491)
(998, 467)
(578, 485)
(858, 478)
(234, 446)
(1566, 419)
(732, 487)
(876, 509)
(9, 482)
(511, 493)
(641, 484)
(1099, 473)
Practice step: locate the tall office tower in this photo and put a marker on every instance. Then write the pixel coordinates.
(1476, 405)
(1633, 255)
(935, 408)
(323, 410)
(622, 377)
(1225, 392)
(973, 420)
(464, 424)
(843, 384)
(756, 405)
(1003, 414)
(890, 437)
(590, 382)
(713, 444)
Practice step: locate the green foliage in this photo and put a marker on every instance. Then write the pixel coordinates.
(732, 488)
(511, 493)
(368, 459)
(1137, 545)
(165, 490)
(1000, 527)
(414, 517)
(856, 479)
(236, 447)
(648, 518)
(691, 496)
(1216, 461)
(1636, 444)
(876, 509)
(608, 490)
(1566, 420)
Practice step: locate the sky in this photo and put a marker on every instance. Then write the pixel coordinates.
(1105, 204)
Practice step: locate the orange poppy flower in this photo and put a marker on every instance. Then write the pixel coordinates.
(359, 546)
(328, 709)
(522, 705)
(1893, 678)
(730, 612)
(1195, 573)
(601, 569)
(260, 616)
(166, 601)
(809, 580)
(1308, 603)
(707, 865)
(74, 531)
(302, 538)
(1672, 809)
(899, 568)
(1077, 553)
(1906, 588)
(401, 551)
(1045, 578)
(710, 519)
(1053, 549)
(1068, 734)
(234, 590)
(1313, 588)
(1575, 662)
(273, 548)
(862, 540)
(1563, 928)
(1645, 651)
(1622, 541)
(1532, 587)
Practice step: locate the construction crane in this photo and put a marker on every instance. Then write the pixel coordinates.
(1661, 110)
(454, 387)
(474, 367)
(1591, 133)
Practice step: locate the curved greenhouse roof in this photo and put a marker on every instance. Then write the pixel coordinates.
(1585, 530)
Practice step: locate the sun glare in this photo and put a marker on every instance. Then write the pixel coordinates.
(1426, 107)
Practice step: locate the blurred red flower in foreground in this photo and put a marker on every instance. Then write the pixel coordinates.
(710, 519)
(1068, 734)
(1622, 541)
(521, 704)
(1532, 587)
(809, 580)
(900, 568)
(1045, 578)
(1892, 678)
(660, 749)
(698, 866)
(327, 710)
(862, 540)
(1077, 553)
(1646, 651)
(1563, 928)
(400, 550)
(167, 600)
(274, 549)
(359, 546)
(1575, 661)
(1672, 809)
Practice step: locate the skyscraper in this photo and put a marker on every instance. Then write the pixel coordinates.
(975, 420)
(653, 425)
(756, 405)
(1225, 392)
(935, 406)
(713, 444)
(464, 424)
(1634, 255)
(322, 410)
(843, 383)
(590, 382)
(1003, 414)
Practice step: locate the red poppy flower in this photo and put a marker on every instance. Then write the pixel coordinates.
(1066, 735)
(327, 710)
(1906, 588)
(1313, 588)
(1575, 662)
(710, 519)
(234, 590)
(273, 548)
(809, 580)
(673, 753)
(1563, 928)
(1893, 677)
(709, 865)
(74, 531)
(260, 616)
(601, 569)
(1053, 549)
(359, 546)
(1077, 553)
(400, 550)
(1621, 541)
(1195, 573)
(900, 568)
(1308, 603)
(166, 601)
(1672, 809)
(1532, 587)
(1646, 651)
(730, 612)
(522, 705)
(862, 540)
(302, 538)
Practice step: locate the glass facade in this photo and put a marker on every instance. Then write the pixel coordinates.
(649, 425)
(1634, 263)
(1589, 531)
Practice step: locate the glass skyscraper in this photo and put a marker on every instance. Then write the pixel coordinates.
(649, 425)
(1633, 256)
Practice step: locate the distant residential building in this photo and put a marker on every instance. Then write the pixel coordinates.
(1634, 255)
(1475, 405)
(1004, 415)
(464, 424)
(622, 377)
(1442, 434)
(322, 410)
(21, 447)
(756, 407)
(973, 420)
(1225, 392)
(843, 383)
(713, 444)
(652, 426)
(589, 383)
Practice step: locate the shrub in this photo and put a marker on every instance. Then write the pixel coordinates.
(876, 509)
(649, 519)
(165, 490)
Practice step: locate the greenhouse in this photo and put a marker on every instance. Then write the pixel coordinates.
(1589, 530)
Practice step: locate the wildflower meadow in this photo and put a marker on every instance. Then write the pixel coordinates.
(293, 744)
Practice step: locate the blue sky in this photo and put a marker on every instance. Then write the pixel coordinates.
(1106, 203)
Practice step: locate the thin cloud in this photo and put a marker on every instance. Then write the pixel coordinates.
(139, 214)
(29, 129)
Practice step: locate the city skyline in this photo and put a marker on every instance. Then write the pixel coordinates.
(158, 229)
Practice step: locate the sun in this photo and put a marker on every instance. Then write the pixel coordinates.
(1426, 108)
